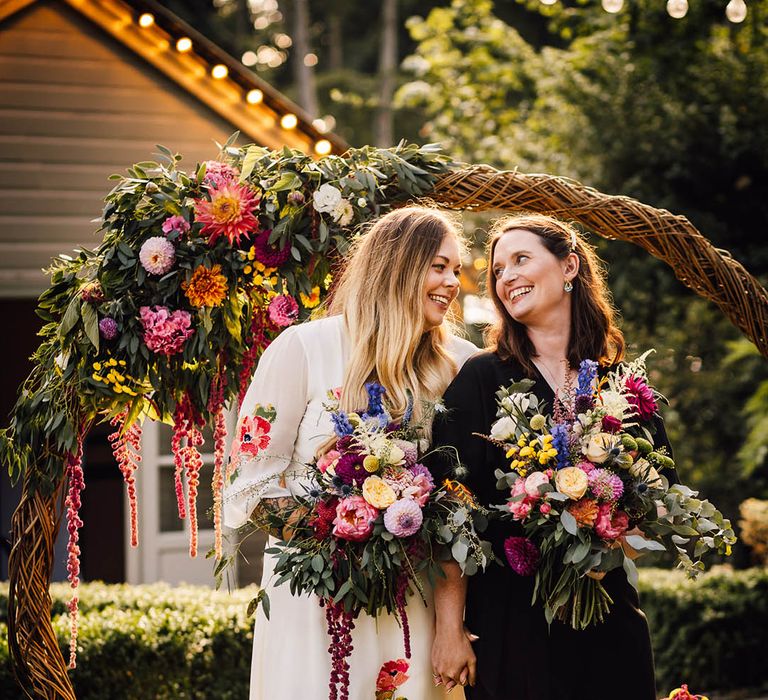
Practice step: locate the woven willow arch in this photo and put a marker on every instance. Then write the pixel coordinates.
(710, 272)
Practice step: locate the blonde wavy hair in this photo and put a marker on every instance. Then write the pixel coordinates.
(380, 297)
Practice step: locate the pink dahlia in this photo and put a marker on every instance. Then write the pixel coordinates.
(605, 485)
(403, 518)
(610, 526)
(640, 396)
(177, 224)
(586, 466)
(229, 213)
(354, 519)
(165, 331)
(283, 310)
(218, 173)
(157, 255)
(268, 253)
(523, 555)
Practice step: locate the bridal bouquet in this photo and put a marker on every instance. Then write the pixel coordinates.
(590, 480)
(371, 522)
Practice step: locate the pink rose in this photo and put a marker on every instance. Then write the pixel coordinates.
(329, 459)
(586, 466)
(545, 508)
(354, 519)
(420, 490)
(610, 526)
(533, 482)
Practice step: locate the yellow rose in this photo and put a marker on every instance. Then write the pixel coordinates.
(378, 492)
(571, 481)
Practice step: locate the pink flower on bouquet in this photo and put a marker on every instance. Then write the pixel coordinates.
(283, 310)
(218, 173)
(329, 459)
(523, 555)
(420, 489)
(610, 526)
(354, 519)
(520, 509)
(403, 518)
(640, 397)
(165, 331)
(533, 482)
(175, 223)
(610, 424)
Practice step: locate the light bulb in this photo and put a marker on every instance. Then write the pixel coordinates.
(219, 71)
(184, 44)
(736, 11)
(548, 2)
(254, 96)
(613, 6)
(146, 20)
(289, 121)
(323, 147)
(677, 8)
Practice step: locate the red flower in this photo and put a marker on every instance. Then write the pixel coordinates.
(640, 396)
(392, 675)
(229, 213)
(252, 436)
(322, 521)
(611, 424)
(268, 253)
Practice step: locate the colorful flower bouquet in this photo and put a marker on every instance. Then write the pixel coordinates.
(589, 486)
(371, 523)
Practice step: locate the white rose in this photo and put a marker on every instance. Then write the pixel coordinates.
(515, 403)
(343, 213)
(615, 404)
(598, 448)
(326, 198)
(533, 482)
(503, 429)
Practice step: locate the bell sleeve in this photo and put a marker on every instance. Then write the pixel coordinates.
(267, 428)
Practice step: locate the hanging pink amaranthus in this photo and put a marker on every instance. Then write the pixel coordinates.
(216, 407)
(74, 523)
(185, 440)
(126, 446)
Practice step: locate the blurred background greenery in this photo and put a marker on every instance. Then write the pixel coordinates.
(673, 112)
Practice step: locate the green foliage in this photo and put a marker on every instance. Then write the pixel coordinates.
(80, 377)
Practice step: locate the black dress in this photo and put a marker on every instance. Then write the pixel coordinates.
(519, 657)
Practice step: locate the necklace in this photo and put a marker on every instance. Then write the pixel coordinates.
(549, 376)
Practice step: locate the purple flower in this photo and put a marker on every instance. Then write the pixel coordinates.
(403, 518)
(350, 468)
(267, 253)
(522, 554)
(296, 198)
(375, 392)
(108, 328)
(587, 374)
(640, 397)
(410, 451)
(341, 426)
(605, 485)
(611, 424)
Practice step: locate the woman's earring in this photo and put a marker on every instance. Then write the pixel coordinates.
(568, 286)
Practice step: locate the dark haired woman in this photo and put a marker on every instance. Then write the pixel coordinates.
(554, 308)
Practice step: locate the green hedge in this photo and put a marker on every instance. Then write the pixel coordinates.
(160, 642)
(151, 641)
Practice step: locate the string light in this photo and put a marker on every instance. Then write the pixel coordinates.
(677, 9)
(548, 2)
(184, 44)
(254, 97)
(249, 58)
(320, 125)
(289, 121)
(613, 6)
(323, 147)
(310, 59)
(736, 11)
(219, 71)
(146, 20)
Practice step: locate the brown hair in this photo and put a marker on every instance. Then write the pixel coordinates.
(594, 333)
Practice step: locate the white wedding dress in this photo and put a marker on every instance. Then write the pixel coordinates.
(290, 650)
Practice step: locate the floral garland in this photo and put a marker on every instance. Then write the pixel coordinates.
(166, 319)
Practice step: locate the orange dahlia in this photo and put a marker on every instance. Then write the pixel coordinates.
(585, 511)
(229, 213)
(206, 287)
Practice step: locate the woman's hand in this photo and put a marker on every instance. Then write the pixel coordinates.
(267, 508)
(453, 659)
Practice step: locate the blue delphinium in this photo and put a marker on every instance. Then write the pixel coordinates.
(587, 374)
(341, 424)
(560, 443)
(375, 392)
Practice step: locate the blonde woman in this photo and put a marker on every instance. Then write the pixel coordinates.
(385, 324)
